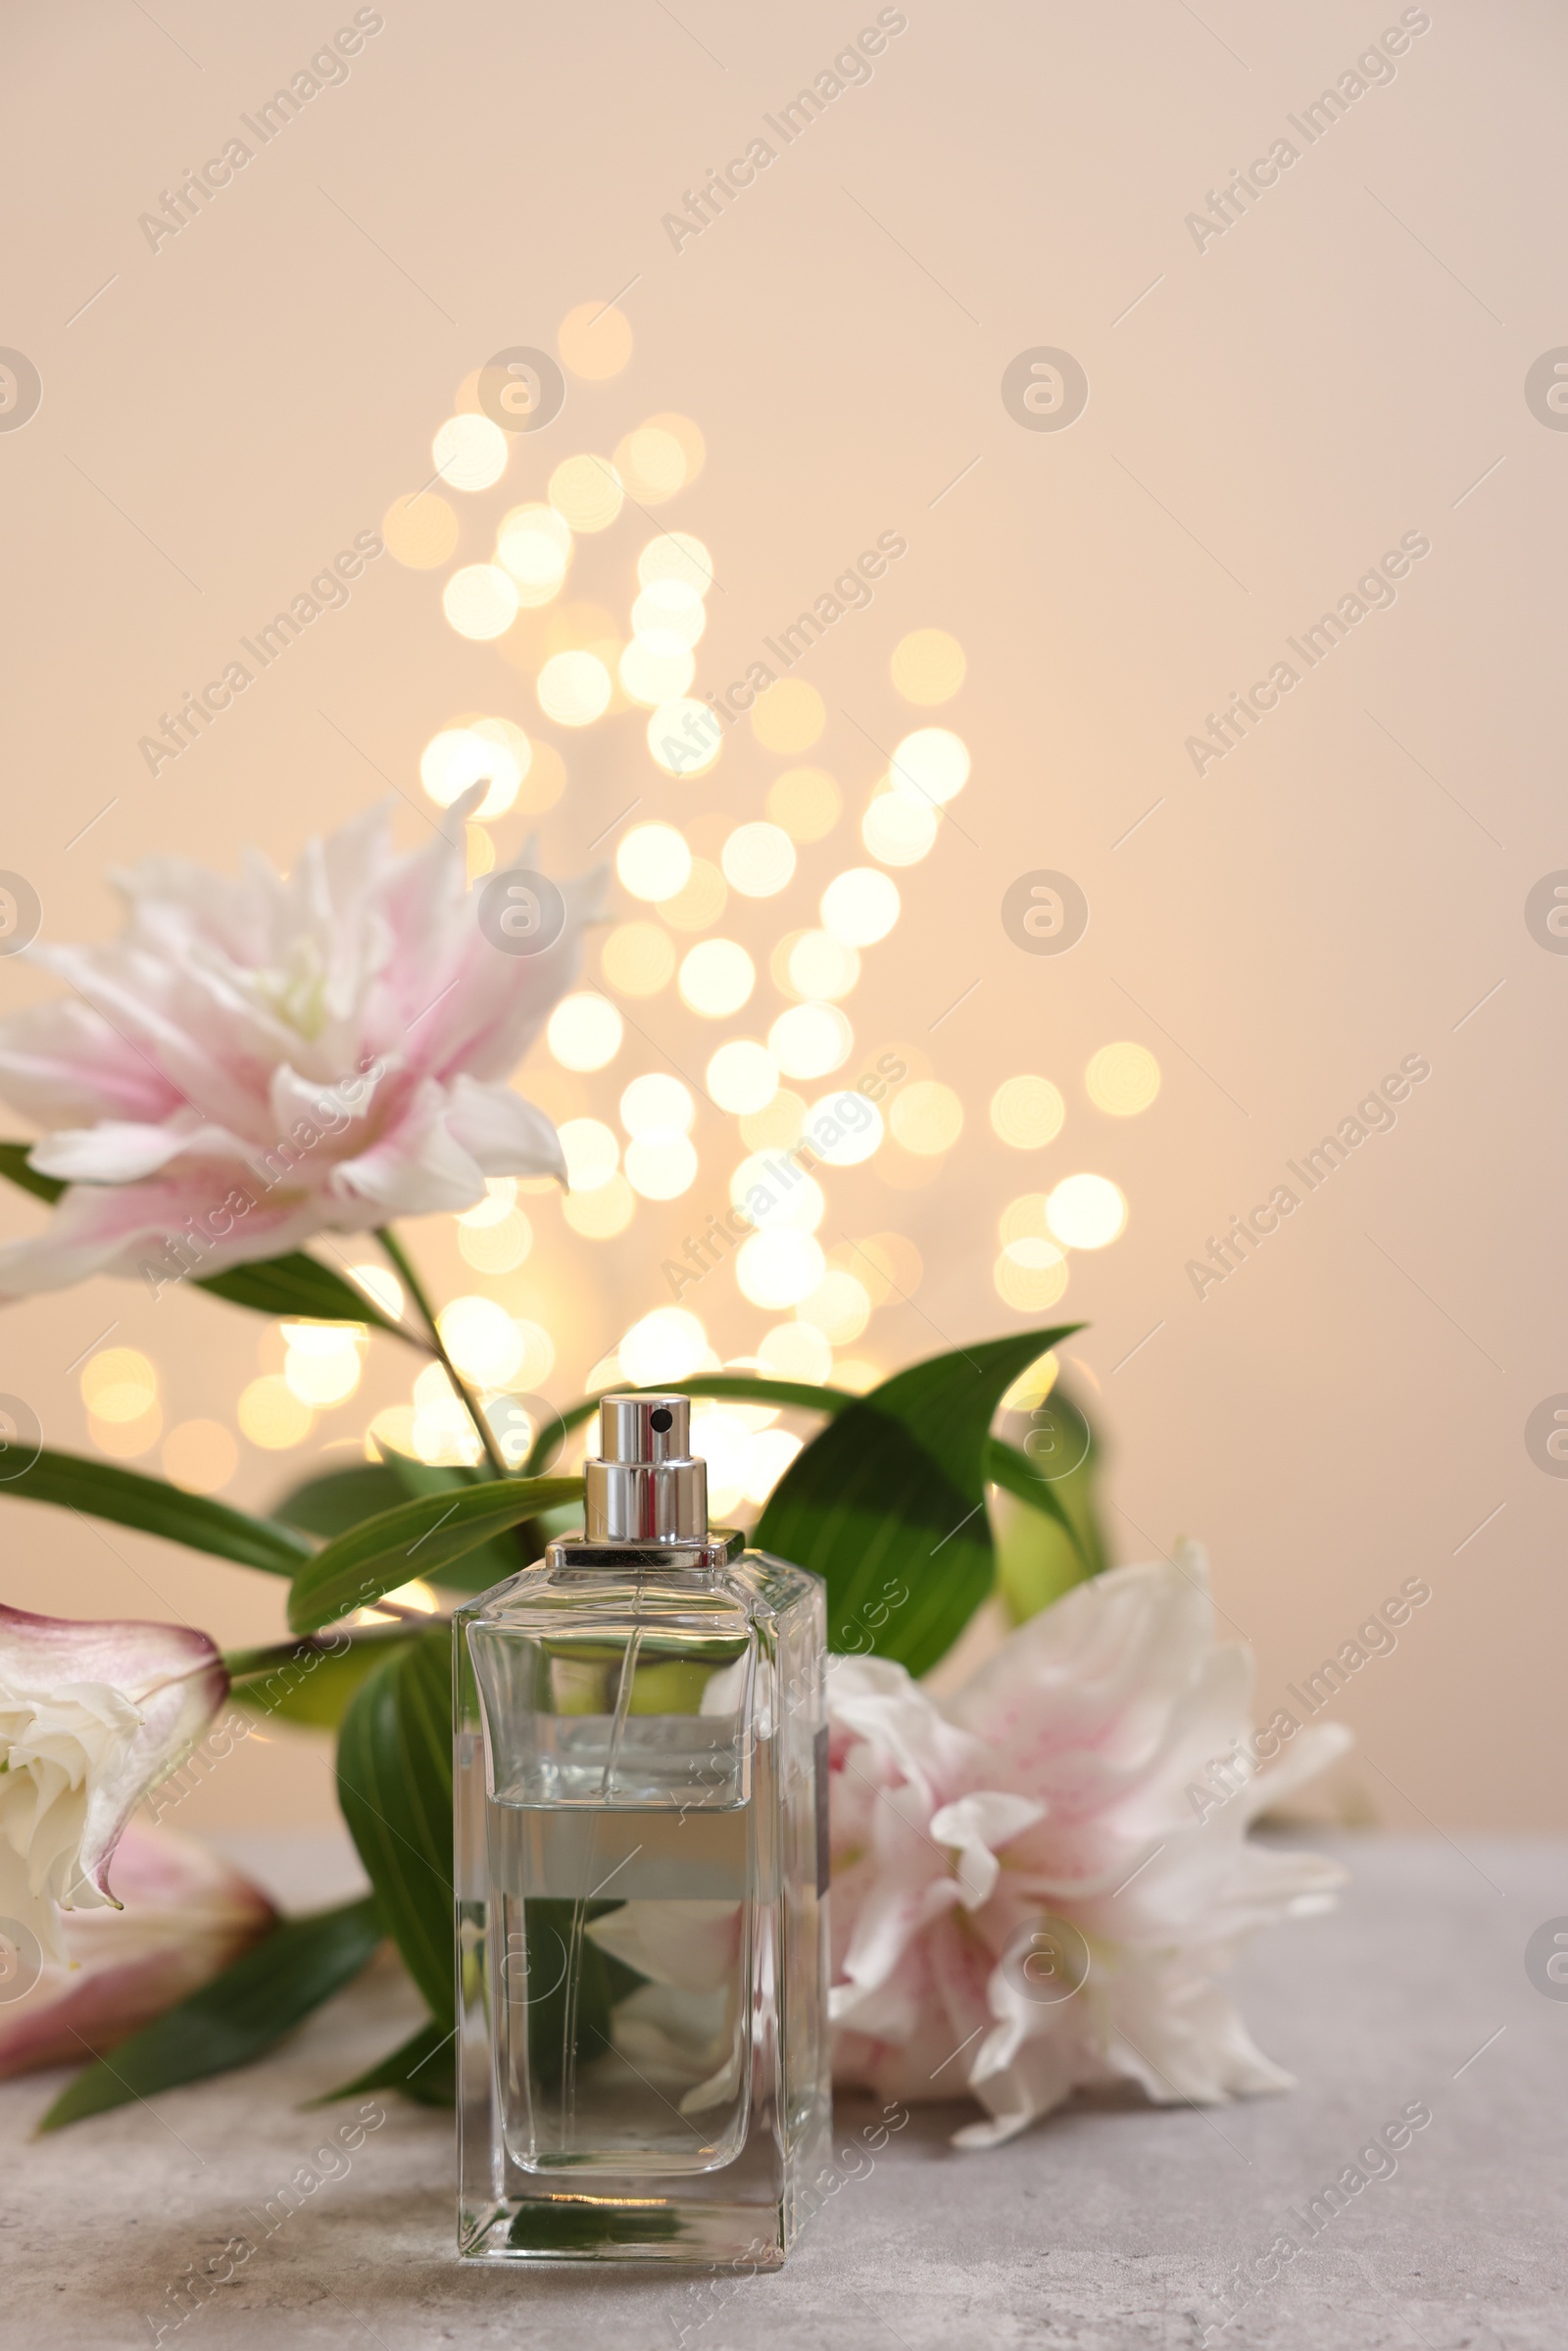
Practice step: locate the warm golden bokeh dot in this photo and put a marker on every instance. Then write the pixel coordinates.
(480, 601)
(585, 1030)
(926, 1117)
(1027, 1112)
(929, 665)
(591, 1151)
(716, 977)
(759, 860)
(482, 1340)
(699, 901)
(899, 831)
(600, 1214)
(638, 959)
(684, 737)
(119, 1383)
(886, 1265)
(578, 627)
(126, 1440)
(661, 1165)
(780, 1267)
(819, 966)
(380, 1283)
(491, 750)
(671, 607)
(743, 1077)
(687, 434)
(595, 341)
(809, 1041)
(574, 688)
(795, 1351)
(657, 668)
(669, 1343)
(778, 962)
(273, 1416)
(1122, 1078)
(840, 1306)
(653, 861)
(657, 1104)
(804, 802)
(931, 765)
(1032, 1387)
(391, 1432)
(1030, 1275)
(1024, 1219)
(651, 464)
(754, 1186)
(323, 1361)
(199, 1455)
(500, 1198)
(1086, 1211)
(534, 545)
(676, 556)
(860, 907)
(587, 491)
(419, 530)
(470, 453)
(789, 716)
(777, 1127)
(499, 1247)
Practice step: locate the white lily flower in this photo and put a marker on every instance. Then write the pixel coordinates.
(188, 1915)
(256, 1062)
(1035, 1881)
(91, 1715)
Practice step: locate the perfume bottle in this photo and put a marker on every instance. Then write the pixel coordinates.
(641, 1874)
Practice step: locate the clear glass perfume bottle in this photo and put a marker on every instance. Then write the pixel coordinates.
(641, 1876)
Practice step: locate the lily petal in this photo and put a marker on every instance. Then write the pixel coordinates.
(91, 1715)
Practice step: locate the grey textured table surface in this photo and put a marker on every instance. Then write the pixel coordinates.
(1107, 2225)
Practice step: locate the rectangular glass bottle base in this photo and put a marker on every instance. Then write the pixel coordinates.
(571, 2226)
(640, 1776)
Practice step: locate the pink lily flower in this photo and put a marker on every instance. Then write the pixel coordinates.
(255, 1061)
(91, 1715)
(1038, 1878)
(187, 1916)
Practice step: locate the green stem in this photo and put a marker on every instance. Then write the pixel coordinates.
(415, 1290)
(244, 1664)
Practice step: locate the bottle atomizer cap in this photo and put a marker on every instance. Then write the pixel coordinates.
(645, 1485)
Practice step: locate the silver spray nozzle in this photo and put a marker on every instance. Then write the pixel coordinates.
(644, 1484)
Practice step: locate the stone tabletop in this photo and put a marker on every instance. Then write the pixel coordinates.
(1113, 2224)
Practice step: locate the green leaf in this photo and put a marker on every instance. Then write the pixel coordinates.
(1037, 1562)
(14, 1165)
(394, 1776)
(300, 1285)
(125, 1496)
(1011, 1470)
(294, 1284)
(237, 2018)
(415, 1539)
(734, 1386)
(575, 1994)
(425, 2068)
(342, 1498)
(545, 2228)
(892, 1493)
(314, 1688)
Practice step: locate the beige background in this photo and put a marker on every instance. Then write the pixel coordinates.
(1340, 368)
